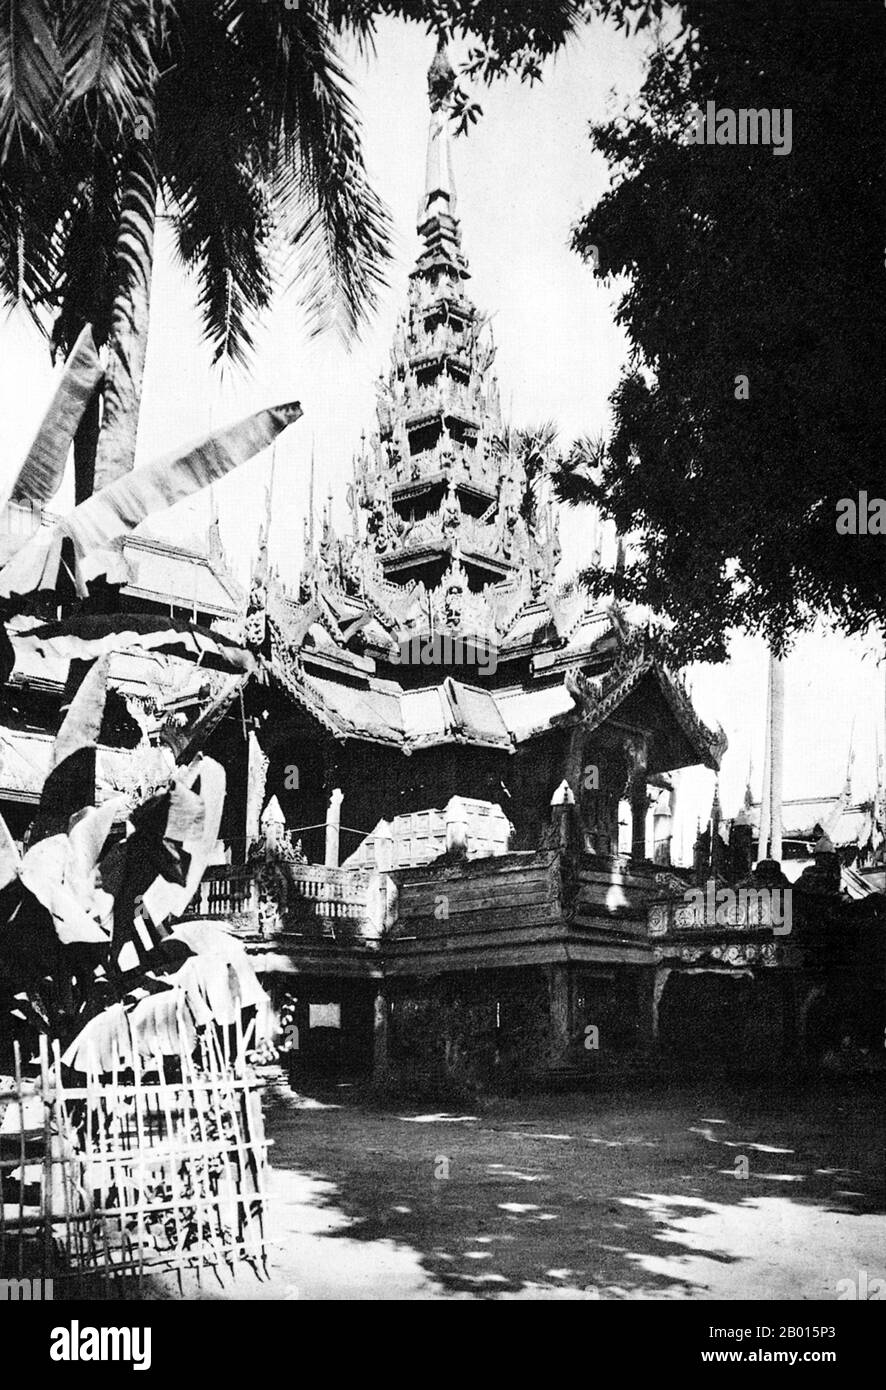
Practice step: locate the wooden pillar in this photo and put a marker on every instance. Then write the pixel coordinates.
(333, 828)
(637, 751)
(573, 769)
(563, 817)
(380, 1036)
(766, 793)
(256, 783)
(647, 1012)
(638, 820)
(663, 829)
(660, 979)
(560, 1013)
(777, 756)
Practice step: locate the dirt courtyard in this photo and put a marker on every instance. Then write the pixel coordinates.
(731, 1191)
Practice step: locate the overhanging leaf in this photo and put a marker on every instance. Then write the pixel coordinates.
(82, 723)
(45, 873)
(30, 73)
(40, 476)
(164, 899)
(96, 524)
(10, 859)
(89, 635)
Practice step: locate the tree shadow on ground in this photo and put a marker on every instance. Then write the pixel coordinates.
(608, 1195)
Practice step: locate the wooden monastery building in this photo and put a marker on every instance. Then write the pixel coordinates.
(447, 832)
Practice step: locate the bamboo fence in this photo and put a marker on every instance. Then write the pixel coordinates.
(159, 1166)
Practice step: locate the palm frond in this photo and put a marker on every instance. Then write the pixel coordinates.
(211, 177)
(308, 135)
(32, 200)
(108, 57)
(85, 242)
(31, 74)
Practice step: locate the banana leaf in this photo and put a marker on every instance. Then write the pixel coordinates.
(60, 872)
(85, 636)
(96, 527)
(82, 723)
(80, 912)
(70, 782)
(10, 859)
(206, 989)
(164, 899)
(160, 1025)
(41, 474)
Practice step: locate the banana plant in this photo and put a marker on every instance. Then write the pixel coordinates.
(88, 909)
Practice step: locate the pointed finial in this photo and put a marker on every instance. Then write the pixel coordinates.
(311, 503)
(441, 76)
(260, 573)
(215, 547)
(850, 761)
(748, 791)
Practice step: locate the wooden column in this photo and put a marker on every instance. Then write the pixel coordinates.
(647, 1011)
(637, 751)
(333, 828)
(380, 1036)
(777, 756)
(766, 793)
(256, 784)
(560, 1013)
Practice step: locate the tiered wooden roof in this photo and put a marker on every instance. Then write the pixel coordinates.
(443, 544)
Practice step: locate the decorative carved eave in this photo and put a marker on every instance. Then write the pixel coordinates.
(286, 673)
(187, 740)
(712, 741)
(600, 699)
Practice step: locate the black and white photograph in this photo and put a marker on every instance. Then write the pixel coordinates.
(443, 691)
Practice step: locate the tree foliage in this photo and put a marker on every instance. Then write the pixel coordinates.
(249, 113)
(744, 263)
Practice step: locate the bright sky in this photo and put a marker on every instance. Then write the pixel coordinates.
(524, 175)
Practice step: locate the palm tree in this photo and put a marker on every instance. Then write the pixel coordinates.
(237, 115)
(535, 450)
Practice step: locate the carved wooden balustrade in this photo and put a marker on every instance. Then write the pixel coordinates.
(520, 898)
(302, 900)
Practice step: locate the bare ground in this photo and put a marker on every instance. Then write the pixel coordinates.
(612, 1194)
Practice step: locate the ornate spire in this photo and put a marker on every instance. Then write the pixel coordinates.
(438, 211)
(441, 76)
(438, 498)
(716, 841)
